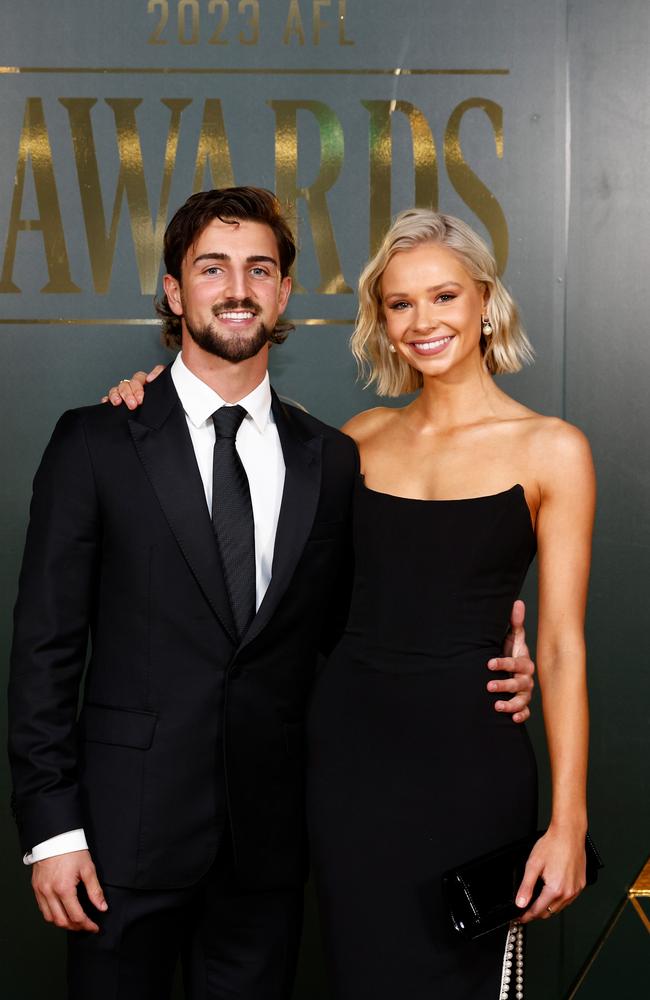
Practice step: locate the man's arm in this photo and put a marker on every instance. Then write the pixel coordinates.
(517, 662)
(47, 662)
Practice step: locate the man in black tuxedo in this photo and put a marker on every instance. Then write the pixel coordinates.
(178, 788)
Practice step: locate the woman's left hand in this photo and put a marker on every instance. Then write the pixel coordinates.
(558, 858)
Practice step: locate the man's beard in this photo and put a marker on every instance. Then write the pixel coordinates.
(232, 347)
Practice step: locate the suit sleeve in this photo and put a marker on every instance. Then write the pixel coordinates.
(51, 627)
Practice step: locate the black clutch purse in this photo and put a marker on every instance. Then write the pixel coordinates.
(480, 895)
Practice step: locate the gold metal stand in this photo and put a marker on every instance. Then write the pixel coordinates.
(639, 889)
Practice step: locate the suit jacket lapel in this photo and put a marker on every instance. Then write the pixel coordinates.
(160, 434)
(302, 459)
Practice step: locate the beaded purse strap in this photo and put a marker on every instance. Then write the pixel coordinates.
(513, 964)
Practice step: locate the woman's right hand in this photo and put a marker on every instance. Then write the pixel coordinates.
(131, 390)
(558, 859)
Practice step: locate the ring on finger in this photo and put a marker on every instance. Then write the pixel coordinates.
(550, 909)
(124, 380)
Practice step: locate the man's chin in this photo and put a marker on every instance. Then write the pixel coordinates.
(233, 347)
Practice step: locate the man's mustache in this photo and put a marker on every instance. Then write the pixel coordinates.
(229, 304)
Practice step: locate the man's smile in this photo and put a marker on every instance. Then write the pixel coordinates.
(236, 315)
(236, 312)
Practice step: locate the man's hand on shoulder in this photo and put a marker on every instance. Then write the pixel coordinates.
(55, 882)
(517, 662)
(131, 390)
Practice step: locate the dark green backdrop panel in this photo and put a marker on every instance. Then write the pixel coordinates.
(528, 119)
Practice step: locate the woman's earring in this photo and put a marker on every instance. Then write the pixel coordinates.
(391, 348)
(486, 327)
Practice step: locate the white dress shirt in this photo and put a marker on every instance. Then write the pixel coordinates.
(258, 446)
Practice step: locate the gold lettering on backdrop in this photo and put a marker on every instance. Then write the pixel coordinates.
(294, 24)
(342, 16)
(471, 189)
(253, 22)
(317, 21)
(213, 149)
(189, 18)
(381, 163)
(156, 38)
(224, 6)
(288, 191)
(147, 237)
(192, 30)
(35, 146)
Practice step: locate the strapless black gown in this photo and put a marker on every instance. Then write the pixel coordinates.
(411, 770)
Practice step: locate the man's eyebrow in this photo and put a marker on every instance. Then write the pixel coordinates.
(261, 259)
(213, 255)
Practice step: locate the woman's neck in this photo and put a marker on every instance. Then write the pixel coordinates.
(454, 399)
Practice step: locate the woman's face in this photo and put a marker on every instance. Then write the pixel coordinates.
(432, 309)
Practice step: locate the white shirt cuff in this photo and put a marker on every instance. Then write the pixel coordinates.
(64, 843)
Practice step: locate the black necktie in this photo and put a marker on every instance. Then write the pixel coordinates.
(232, 516)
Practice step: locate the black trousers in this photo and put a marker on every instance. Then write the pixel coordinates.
(232, 945)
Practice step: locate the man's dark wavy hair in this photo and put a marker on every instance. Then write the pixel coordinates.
(234, 204)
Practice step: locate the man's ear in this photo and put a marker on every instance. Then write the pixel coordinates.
(284, 293)
(172, 287)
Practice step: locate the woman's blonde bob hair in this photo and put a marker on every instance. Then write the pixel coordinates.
(505, 350)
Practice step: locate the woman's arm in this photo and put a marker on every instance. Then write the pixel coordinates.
(564, 529)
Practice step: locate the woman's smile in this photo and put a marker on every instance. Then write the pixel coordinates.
(427, 348)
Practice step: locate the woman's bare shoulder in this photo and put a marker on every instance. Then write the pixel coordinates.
(369, 422)
(557, 436)
(560, 449)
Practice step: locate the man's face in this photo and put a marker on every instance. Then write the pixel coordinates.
(231, 292)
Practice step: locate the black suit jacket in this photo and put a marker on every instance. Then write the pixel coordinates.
(184, 735)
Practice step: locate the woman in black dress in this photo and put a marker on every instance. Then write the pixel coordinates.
(410, 769)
